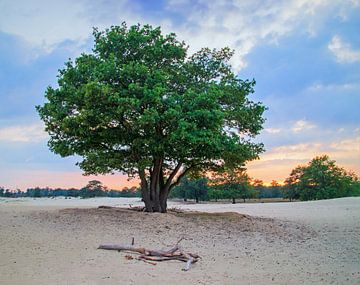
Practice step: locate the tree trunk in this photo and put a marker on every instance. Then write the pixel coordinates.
(153, 202)
(147, 202)
(155, 189)
(163, 203)
(155, 198)
(157, 202)
(164, 193)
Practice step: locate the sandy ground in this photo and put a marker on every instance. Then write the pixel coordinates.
(54, 241)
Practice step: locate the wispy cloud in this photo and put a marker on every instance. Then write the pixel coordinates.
(302, 125)
(23, 133)
(352, 145)
(278, 162)
(294, 152)
(343, 51)
(272, 130)
(334, 87)
(243, 25)
(46, 24)
(338, 149)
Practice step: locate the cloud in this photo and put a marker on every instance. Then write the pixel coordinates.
(23, 133)
(294, 152)
(334, 87)
(302, 125)
(352, 145)
(41, 26)
(243, 25)
(278, 162)
(272, 130)
(48, 23)
(343, 51)
(346, 149)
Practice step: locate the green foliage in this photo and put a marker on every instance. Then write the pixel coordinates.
(196, 189)
(216, 193)
(355, 191)
(275, 190)
(321, 179)
(233, 184)
(242, 187)
(10, 193)
(138, 104)
(94, 188)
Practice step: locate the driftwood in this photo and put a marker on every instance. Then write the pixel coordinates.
(151, 256)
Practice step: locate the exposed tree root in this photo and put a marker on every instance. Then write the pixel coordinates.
(152, 256)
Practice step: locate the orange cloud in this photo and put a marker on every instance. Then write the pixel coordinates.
(277, 163)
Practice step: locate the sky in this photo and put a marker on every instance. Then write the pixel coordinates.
(303, 54)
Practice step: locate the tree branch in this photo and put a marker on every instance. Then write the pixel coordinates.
(144, 183)
(172, 175)
(181, 176)
(175, 253)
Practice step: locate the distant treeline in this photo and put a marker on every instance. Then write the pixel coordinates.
(190, 191)
(202, 189)
(93, 189)
(321, 178)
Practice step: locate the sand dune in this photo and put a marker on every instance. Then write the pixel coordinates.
(54, 241)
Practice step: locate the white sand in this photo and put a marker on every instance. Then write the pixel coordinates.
(336, 211)
(293, 243)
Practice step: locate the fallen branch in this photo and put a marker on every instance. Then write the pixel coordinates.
(151, 256)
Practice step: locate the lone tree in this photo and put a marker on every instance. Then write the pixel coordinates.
(94, 188)
(139, 105)
(321, 179)
(234, 183)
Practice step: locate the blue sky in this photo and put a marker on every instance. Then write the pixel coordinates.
(304, 55)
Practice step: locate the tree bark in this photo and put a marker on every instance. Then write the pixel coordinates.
(145, 195)
(164, 193)
(154, 185)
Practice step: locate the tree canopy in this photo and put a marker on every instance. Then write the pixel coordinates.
(140, 105)
(321, 179)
